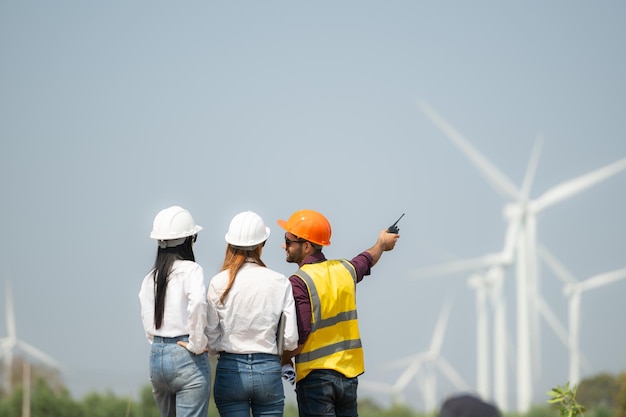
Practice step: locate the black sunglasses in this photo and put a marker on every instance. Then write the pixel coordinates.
(289, 242)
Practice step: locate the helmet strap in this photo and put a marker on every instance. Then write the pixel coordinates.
(170, 243)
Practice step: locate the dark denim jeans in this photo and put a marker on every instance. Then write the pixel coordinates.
(327, 393)
(249, 382)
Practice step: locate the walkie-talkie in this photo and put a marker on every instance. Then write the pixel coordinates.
(393, 228)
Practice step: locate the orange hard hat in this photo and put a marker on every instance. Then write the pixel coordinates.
(309, 225)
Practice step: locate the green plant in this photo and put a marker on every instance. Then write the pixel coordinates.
(565, 399)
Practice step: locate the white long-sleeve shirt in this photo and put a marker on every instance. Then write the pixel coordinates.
(247, 321)
(185, 305)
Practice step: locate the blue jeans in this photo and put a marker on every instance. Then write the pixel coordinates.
(245, 382)
(325, 392)
(181, 380)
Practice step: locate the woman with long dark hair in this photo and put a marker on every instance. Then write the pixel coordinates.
(174, 316)
(246, 300)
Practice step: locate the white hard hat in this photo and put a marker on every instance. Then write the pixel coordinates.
(247, 230)
(173, 224)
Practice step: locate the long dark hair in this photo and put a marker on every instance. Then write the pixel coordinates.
(162, 268)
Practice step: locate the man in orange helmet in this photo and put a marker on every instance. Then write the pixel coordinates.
(329, 357)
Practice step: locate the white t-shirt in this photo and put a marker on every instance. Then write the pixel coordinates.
(185, 305)
(247, 321)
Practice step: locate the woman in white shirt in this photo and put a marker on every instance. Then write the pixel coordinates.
(246, 300)
(173, 312)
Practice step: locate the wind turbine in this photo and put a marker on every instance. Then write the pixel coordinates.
(11, 343)
(487, 278)
(421, 366)
(488, 287)
(573, 290)
(525, 211)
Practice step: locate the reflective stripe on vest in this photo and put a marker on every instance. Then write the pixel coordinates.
(329, 350)
(320, 351)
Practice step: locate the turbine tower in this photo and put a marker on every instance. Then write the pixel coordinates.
(484, 286)
(11, 343)
(523, 210)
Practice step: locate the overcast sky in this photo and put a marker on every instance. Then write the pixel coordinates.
(111, 111)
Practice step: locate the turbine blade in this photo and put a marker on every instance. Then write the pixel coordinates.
(375, 386)
(602, 279)
(460, 265)
(403, 362)
(440, 328)
(406, 376)
(33, 351)
(557, 267)
(552, 320)
(453, 376)
(531, 169)
(572, 187)
(10, 312)
(493, 175)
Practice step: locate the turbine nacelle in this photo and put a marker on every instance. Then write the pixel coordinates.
(515, 211)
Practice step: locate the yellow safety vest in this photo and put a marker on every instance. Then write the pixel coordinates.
(334, 342)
